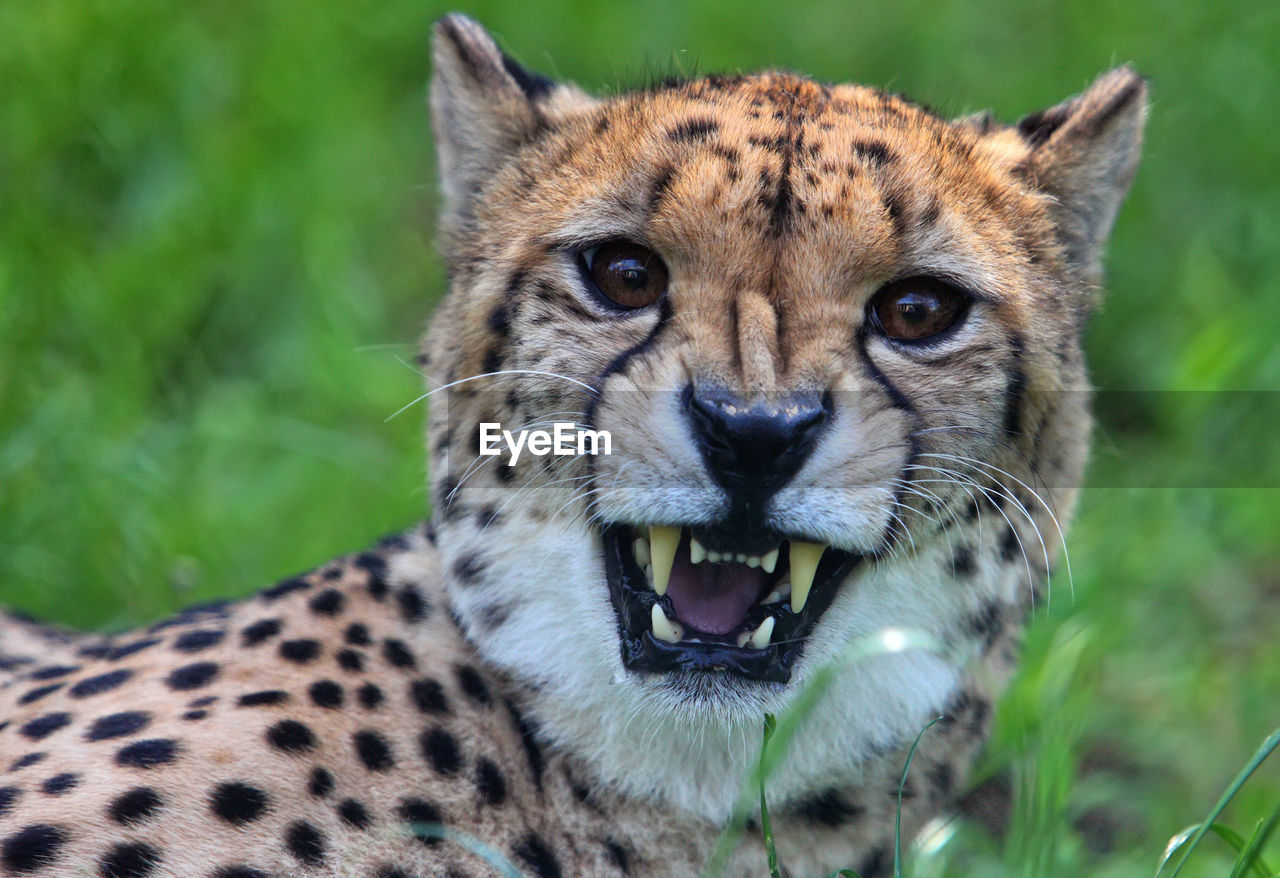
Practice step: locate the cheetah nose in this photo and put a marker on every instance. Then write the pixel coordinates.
(752, 448)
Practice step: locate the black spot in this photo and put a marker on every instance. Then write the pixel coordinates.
(194, 641)
(373, 750)
(99, 684)
(492, 360)
(127, 649)
(658, 189)
(60, 783)
(692, 130)
(988, 624)
(397, 654)
(940, 780)
(326, 693)
(829, 808)
(259, 631)
(490, 783)
(393, 872)
(357, 634)
(117, 725)
(39, 692)
(191, 715)
(1010, 545)
(468, 568)
(419, 814)
(962, 561)
(500, 320)
(53, 671)
(618, 853)
(202, 701)
(300, 651)
(428, 695)
(291, 736)
(487, 516)
(321, 782)
(412, 607)
(136, 806)
(533, 851)
(354, 813)
(25, 761)
(192, 676)
(305, 843)
(238, 803)
(350, 660)
(288, 586)
(874, 153)
(440, 749)
(43, 726)
(239, 872)
(370, 696)
(897, 213)
(265, 698)
(877, 864)
(8, 796)
(376, 567)
(472, 684)
(32, 848)
(532, 751)
(148, 753)
(328, 603)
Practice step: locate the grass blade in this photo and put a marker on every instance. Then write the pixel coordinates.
(765, 826)
(1197, 833)
(1251, 856)
(897, 816)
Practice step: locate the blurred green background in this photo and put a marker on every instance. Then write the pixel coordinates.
(216, 254)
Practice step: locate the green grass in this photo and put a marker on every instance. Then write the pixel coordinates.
(215, 255)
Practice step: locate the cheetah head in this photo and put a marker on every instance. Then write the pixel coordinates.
(833, 339)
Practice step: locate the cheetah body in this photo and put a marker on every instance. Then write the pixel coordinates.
(466, 678)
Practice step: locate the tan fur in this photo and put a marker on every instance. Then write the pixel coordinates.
(468, 672)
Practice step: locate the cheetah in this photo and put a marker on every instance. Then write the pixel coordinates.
(835, 339)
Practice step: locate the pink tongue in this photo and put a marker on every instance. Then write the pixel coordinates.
(713, 598)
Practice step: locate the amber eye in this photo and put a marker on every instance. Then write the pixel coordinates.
(917, 308)
(628, 275)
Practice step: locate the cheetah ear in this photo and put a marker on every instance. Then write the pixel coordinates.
(1084, 152)
(483, 107)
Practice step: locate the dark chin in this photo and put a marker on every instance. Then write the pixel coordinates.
(711, 657)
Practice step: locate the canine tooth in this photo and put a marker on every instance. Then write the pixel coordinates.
(697, 552)
(664, 628)
(760, 637)
(663, 542)
(804, 564)
(753, 560)
(641, 549)
(769, 561)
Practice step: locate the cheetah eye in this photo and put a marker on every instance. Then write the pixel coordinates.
(917, 308)
(627, 275)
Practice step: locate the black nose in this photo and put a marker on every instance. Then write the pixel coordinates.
(753, 448)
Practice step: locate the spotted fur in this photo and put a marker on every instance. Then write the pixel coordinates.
(467, 674)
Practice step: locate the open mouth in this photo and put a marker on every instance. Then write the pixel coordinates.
(702, 599)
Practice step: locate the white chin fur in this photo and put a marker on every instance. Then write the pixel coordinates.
(639, 735)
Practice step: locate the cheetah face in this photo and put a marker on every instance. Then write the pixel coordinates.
(823, 328)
